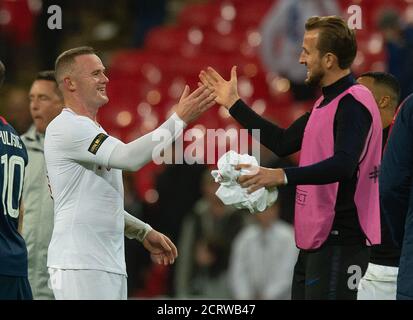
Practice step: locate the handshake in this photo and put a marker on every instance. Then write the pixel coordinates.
(215, 89)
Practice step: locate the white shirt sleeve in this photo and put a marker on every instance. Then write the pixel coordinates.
(134, 155)
(83, 142)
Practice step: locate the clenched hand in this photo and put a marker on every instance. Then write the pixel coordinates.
(260, 177)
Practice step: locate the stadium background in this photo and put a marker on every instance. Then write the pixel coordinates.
(151, 48)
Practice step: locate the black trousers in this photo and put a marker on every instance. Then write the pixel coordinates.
(15, 288)
(329, 273)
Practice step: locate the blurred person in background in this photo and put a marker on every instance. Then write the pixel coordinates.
(380, 279)
(46, 102)
(205, 243)
(263, 257)
(282, 31)
(398, 36)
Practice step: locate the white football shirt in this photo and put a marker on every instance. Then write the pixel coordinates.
(88, 196)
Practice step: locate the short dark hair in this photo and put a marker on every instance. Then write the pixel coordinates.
(66, 59)
(2, 73)
(335, 37)
(48, 75)
(385, 79)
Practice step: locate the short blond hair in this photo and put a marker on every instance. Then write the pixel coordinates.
(65, 60)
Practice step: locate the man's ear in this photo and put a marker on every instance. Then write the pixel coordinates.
(329, 60)
(69, 84)
(384, 102)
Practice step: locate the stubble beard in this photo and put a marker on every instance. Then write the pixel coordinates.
(315, 79)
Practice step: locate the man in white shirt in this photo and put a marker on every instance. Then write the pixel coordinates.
(263, 258)
(86, 257)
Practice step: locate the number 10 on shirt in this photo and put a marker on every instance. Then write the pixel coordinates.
(9, 167)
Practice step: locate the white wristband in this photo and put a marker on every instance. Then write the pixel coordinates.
(135, 228)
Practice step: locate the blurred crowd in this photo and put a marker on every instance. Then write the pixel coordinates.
(223, 252)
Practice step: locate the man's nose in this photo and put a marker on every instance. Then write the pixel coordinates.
(34, 105)
(105, 79)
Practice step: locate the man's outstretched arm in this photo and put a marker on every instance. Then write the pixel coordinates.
(84, 144)
(134, 155)
(281, 141)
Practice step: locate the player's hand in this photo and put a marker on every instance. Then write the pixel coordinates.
(226, 91)
(260, 177)
(161, 248)
(191, 106)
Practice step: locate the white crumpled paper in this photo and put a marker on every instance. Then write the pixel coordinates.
(231, 193)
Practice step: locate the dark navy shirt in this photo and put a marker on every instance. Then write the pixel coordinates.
(396, 193)
(13, 155)
(396, 173)
(386, 253)
(352, 123)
